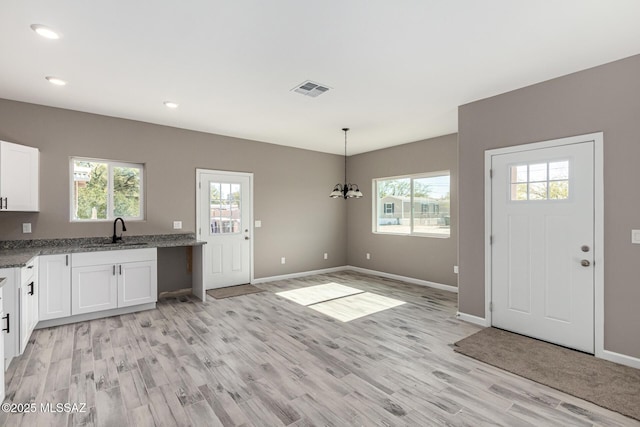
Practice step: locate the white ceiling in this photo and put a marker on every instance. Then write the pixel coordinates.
(397, 70)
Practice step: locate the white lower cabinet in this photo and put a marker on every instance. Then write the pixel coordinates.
(20, 307)
(54, 281)
(29, 294)
(11, 316)
(94, 288)
(113, 279)
(137, 283)
(2, 392)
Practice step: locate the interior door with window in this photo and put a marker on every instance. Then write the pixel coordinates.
(542, 229)
(224, 222)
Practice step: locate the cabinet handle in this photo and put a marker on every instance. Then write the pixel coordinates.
(29, 266)
(120, 266)
(6, 205)
(114, 270)
(8, 329)
(31, 292)
(5, 202)
(66, 260)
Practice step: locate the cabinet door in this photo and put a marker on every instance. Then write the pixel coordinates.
(10, 319)
(137, 283)
(28, 301)
(26, 313)
(2, 393)
(54, 283)
(93, 288)
(19, 177)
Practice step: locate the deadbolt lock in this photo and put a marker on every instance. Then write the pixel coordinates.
(585, 248)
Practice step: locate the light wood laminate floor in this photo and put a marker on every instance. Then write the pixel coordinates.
(263, 360)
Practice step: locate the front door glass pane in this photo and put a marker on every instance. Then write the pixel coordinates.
(540, 181)
(224, 212)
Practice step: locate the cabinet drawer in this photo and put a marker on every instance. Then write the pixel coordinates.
(84, 259)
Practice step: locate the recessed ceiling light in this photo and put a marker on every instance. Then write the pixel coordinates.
(170, 104)
(45, 31)
(56, 81)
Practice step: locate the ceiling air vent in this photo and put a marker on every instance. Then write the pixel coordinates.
(310, 88)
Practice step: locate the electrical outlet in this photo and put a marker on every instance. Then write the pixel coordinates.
(326, 255)
(282, 260)
(368, 255)
(257, 224)
(26, 227)
(635, 236)
(177, 225)
(455, 269)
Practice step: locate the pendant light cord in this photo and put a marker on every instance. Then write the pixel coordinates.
(345, 156)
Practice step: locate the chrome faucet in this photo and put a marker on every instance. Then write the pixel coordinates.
(115, 238)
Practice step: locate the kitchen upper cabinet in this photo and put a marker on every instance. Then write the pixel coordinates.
(113, 279)
(54, 281)
(19, 177)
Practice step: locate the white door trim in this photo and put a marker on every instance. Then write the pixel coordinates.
(598, 199)
(229, 173)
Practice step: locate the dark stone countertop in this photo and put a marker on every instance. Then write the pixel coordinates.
(17, 253)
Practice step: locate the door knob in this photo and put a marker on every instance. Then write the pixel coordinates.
(585, 263)
(585, 248)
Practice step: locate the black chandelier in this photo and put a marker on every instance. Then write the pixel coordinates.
(345, 190)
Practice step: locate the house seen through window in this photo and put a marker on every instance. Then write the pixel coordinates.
(102, 190)
(413, 204)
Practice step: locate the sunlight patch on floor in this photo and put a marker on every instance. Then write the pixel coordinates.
(356, 306)
(318, 293)
(341, 302)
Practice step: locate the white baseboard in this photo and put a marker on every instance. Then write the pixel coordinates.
(300, 274)
(404, 279)
(622, 359)
(359, 270)
(472, 319)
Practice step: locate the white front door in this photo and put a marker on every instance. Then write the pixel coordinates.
(542, 232)
(224, 222)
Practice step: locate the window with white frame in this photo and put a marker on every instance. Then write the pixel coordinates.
(413, 204)
(102, 190)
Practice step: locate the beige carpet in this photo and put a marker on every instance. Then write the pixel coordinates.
(233, 291)
(607, 384)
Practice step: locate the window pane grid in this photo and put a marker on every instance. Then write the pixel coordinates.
(540, 181)
(224, 213)
(102, 190)
(413, 205)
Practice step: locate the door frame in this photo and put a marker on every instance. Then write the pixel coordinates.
(598, 235)
(250, 225)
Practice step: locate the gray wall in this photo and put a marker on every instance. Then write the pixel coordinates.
(423, 258)
(605, 98)
(299, 225)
